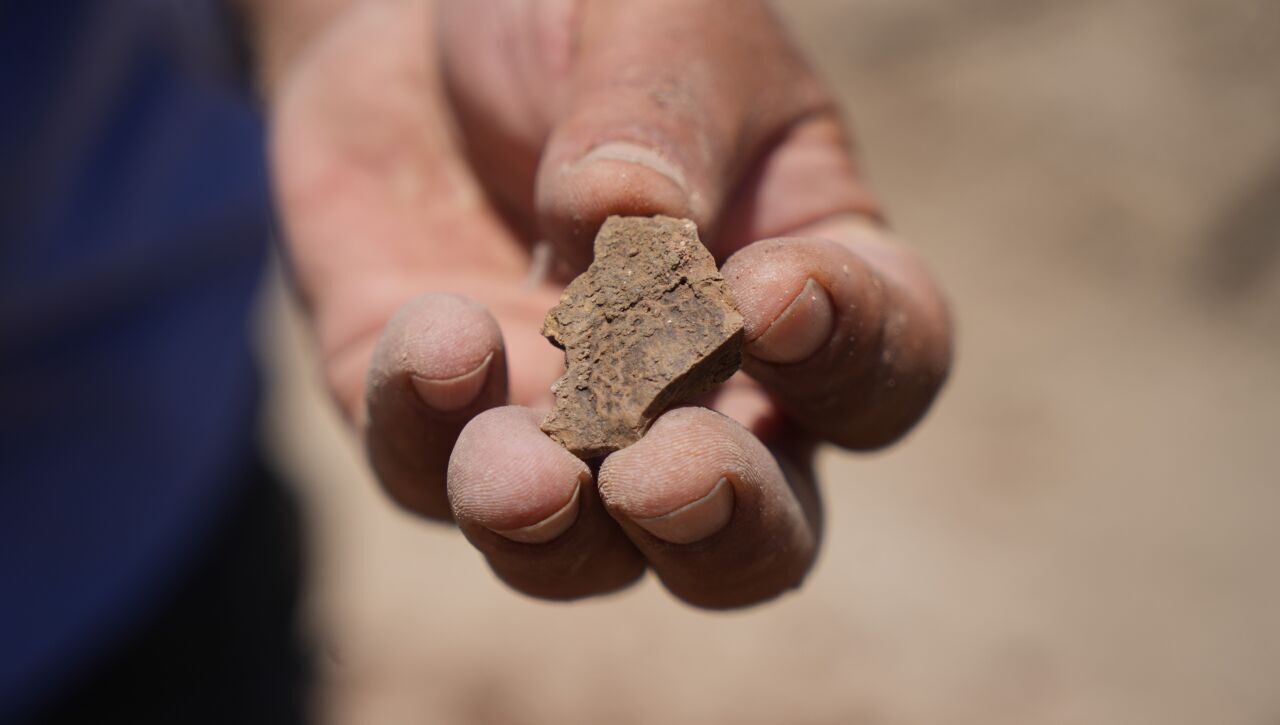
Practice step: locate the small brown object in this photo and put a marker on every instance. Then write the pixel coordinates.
(649, 325)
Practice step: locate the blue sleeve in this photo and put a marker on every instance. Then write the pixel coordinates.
(134, 218)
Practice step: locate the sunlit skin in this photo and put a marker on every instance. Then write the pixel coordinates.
(440, 172)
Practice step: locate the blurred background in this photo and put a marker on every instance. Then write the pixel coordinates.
(1085, 528)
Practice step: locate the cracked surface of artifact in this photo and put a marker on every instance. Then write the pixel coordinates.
(648, 326)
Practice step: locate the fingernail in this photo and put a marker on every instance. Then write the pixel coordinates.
(799, 331)
(694, 521)
(631, 153)
(449, 394)
(548, 528)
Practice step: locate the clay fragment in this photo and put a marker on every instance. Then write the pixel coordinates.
(649, 325)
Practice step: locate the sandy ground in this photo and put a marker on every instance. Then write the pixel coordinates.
(1085, 530)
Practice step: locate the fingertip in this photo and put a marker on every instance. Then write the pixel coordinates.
(658, 173)
(778, 285)
(448, 345)
(695, 520)
(799, 331)
(439, 361)
(449, 394)
(552, 526)
(765, 277)
(574, 197)
(530, 507)
(878, 350)
(712, 510)
(507, 477)
(677, 482)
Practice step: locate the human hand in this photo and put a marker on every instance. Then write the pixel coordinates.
(420, 150)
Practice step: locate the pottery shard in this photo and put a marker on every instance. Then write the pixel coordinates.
(649, 325)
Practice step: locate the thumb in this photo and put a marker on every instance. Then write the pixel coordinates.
(669, 103)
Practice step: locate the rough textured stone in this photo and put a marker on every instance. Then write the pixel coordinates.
(649, 325)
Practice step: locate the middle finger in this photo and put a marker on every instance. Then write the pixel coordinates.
(532, 509)
(712, 509)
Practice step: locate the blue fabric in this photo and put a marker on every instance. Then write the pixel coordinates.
(133, 223)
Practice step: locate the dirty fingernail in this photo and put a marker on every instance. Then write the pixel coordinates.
(694, 521)
(548, 528)
(799, 331)
(449, 394)
(631, 153)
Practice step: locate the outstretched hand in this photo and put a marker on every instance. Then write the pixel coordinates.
(422, 151)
